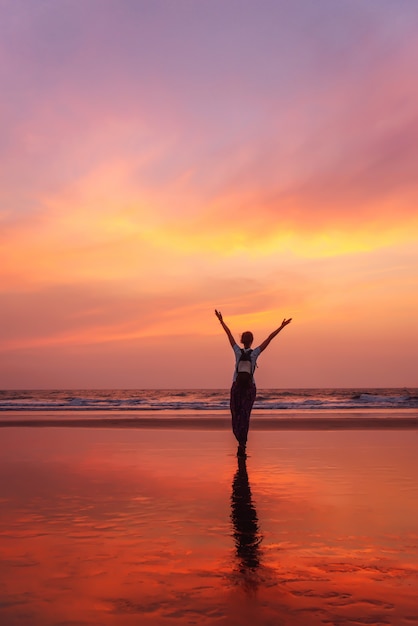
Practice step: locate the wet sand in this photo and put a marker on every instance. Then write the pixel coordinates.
(117, 526)
(345, 419)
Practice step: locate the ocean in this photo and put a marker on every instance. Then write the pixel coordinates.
(215, 401)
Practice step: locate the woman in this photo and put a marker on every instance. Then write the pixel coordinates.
(243, 390)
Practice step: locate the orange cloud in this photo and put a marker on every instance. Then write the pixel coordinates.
(131, 207)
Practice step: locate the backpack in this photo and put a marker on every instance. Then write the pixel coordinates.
(245, 369)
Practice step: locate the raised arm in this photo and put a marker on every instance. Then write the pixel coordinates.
(225, 327)
(266, 342)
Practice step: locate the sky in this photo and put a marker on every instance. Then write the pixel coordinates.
(160, 159)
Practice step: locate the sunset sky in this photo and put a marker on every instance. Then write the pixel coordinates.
(163, 158)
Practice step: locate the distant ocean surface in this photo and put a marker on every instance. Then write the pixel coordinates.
(206, 400)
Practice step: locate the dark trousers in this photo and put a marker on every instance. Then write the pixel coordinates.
(241, 403)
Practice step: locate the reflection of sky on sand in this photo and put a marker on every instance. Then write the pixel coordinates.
(127, 527)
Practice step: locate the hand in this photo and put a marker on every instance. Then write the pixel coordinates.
(218, 315)
(286, 322)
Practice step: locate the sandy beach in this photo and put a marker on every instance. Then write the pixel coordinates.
(118, 526)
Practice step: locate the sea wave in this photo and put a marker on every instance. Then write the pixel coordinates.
(273, 400)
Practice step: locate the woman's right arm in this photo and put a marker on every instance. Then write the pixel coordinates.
(225, 327)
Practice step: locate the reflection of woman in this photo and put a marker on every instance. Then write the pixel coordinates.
(245, 524)
(243, 390)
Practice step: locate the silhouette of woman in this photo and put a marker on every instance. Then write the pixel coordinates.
(243, 390)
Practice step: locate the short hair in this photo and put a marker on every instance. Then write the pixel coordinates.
(247, 337)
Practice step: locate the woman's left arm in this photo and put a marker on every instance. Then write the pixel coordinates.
(266, 342)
